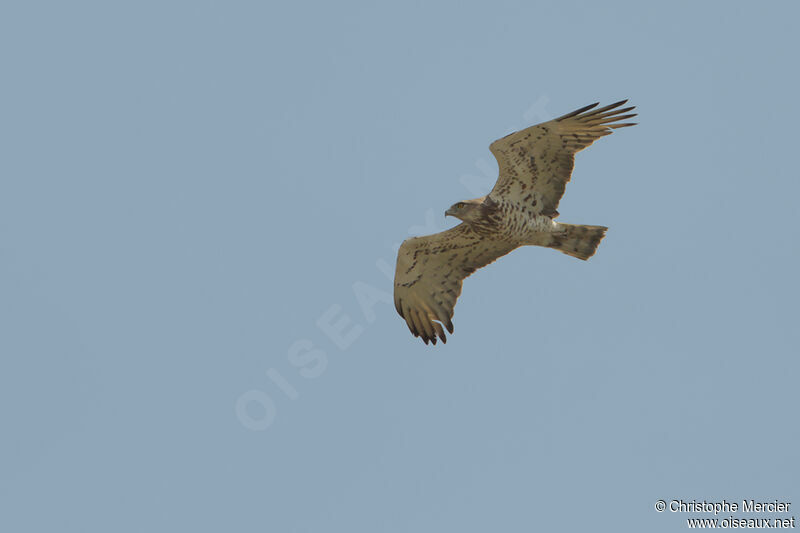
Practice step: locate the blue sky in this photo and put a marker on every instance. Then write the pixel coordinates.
(198, 204)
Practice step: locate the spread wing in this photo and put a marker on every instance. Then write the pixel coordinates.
(536, 163)
(429, 274)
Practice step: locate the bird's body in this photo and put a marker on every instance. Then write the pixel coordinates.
(535, 165)
(502, 220)
(523, 227)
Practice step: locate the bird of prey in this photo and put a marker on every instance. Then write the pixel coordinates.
(535, 166)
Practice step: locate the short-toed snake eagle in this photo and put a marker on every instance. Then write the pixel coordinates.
(535, 166)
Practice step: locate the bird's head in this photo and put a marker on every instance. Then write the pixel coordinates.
(468, 210)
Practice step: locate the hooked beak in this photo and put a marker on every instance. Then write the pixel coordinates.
(449, 213)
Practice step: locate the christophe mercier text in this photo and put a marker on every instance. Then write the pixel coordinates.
(747, 506)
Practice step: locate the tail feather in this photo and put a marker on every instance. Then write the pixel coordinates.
(577, 240)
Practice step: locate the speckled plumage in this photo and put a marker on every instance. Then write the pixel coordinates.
(535, 165)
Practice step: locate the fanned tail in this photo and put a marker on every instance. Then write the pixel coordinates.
(577, 240)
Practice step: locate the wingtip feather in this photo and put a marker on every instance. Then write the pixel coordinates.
(578, 111)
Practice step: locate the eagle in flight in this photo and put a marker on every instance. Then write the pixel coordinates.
(535, 166)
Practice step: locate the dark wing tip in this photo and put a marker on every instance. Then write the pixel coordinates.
(577, 111)
(596, 112)
(605, 109)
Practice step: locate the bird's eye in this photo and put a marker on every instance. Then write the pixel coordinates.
(460, 205)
